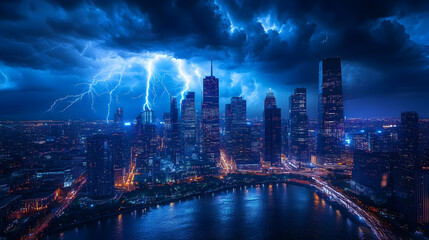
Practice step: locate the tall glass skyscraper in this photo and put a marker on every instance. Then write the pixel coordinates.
(273, 130)
(409, 137)
(298, 145)
(189, 128)
(145, 142)
(100, 167)
(175, 131)
(330, 138)
(210, 118)
(237, 132)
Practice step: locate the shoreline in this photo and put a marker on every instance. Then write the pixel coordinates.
(193, 197)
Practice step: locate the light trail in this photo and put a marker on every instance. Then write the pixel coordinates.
(372, 221)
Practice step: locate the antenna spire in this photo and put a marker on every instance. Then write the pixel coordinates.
(211, 67)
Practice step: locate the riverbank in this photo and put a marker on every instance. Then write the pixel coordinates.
(224, 186)
(54, 228)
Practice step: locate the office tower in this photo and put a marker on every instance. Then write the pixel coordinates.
(285, 137)
(373, 170)
(424, 163)
(189, 128)
(119, 116)
(237, 131)
(412, 194)
(382, 141)
(145, 146)
(257, 136)
(175, 131)
(330, 139)
(148, 117)
(270, 100)
(409, 140)
(210, 118)
(121, 155)
(166, 134)
(298, 145)
(360, 141)
(272, 130)
(100, 167)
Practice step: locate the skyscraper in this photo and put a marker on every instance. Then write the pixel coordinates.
(166, 134)
(175, 131)
(119, 116)
(412, 194)
(273, 128)
(145, 146)
(330, 138)
(210, 118)
(238, 136)
(270, 100)
(189, 128)
(100, 167)
(409, 137)
(298, 146)
(148, 117)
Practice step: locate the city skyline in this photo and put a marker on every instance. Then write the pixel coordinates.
(214, 119)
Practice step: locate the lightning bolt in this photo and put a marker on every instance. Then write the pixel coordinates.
(4, 75)
(84, 50)
(111, 92)
(187, 79)
(128, 71)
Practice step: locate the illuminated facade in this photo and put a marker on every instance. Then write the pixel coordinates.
(210, 119)
(189, 128)
(272, 130)
(298, 145)
(100, 167)
(119, 116)
(331, 136)
(175, 131)
(412, 194)
(409, 140)
(237, 131)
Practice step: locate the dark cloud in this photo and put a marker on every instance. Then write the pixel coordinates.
(279, 43)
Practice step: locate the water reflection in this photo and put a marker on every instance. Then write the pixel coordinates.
(260, 212)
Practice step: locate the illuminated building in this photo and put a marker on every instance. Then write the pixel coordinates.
(39, 200)
(166, 134)
(412, 194)
(189, 128)
(175, 131)
(237, 132)
(409, 140)
(272, 130)
(120, 156)
(298, 140)
(100, 167)
(373, 170)
(210, 119)
(360, 141)
(331, 135)
(147, 117)
(119, 116)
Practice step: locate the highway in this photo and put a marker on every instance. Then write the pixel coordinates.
(71, 195)
(377, 227)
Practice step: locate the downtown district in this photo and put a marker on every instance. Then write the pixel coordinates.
(48, 165)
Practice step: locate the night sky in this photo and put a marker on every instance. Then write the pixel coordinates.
(101, 53)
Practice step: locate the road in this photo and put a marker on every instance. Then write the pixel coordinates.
(377, 227)
(71, 195)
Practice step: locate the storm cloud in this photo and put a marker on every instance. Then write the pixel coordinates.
(48, 48)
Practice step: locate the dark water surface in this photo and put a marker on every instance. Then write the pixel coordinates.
(266, 212)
